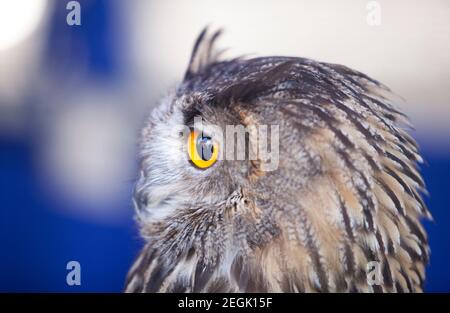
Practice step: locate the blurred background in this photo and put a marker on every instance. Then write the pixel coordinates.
(73, 98)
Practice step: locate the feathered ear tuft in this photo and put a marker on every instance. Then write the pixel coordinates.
(204, 52)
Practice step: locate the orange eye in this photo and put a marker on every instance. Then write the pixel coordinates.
(202, 150)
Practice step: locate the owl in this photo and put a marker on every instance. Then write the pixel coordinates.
(339, 211)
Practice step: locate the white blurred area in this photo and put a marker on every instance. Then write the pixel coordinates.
(22, 33)
(87, 129)
(88, 152)
(18, 19)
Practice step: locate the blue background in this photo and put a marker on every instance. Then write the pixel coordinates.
(37, 239)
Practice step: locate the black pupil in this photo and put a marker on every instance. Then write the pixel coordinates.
(205, 147)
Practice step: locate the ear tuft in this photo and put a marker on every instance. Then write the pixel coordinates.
(204, 52)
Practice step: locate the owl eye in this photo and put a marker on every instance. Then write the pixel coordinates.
(202, 150)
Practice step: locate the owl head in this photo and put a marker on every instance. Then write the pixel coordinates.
(206, 144)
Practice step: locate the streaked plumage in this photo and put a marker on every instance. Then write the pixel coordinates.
(347, 190)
